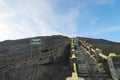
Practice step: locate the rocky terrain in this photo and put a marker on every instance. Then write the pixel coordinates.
(106, 46)
(50, 60)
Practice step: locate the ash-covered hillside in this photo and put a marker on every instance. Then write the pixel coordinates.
(50, 60)
(106, 46)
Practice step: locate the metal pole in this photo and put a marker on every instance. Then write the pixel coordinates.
(31, 52)
(40, 51)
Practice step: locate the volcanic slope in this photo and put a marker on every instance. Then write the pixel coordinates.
(50, 60)
(106, 46)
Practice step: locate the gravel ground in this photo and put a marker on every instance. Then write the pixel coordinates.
(50, 62)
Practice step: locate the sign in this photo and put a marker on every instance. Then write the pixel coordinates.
(35, 41)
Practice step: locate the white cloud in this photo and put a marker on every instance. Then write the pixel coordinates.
(45, 12)
(94, 3)
(102, 2)
(94, 20)
(47, 21)
(45, 17)
(4, 16)
(15, 31)
(5, 31)
(45, 29)
(108, 30)
(3, 3)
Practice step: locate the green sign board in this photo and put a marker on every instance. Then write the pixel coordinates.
(35, 41)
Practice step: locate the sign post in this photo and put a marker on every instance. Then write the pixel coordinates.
(34, 42)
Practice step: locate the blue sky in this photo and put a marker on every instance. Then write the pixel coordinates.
(85, 18)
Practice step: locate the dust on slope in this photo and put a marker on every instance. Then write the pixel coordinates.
(51, 63)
